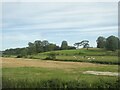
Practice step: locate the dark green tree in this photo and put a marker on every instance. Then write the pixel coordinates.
(64, 45)
(101, 42)
(24, 52)
(45, 43)
(31, 48)
(39, 46)
(51, 47)
(112, 43)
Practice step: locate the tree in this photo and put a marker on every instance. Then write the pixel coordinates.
(45, 43)
(71, 47)
(31, 48)
(64, 45)
(24, 52)
(51, 47)
(39, 46)
(84, 43)
(112, 43)
(101, 42)
(77, 45)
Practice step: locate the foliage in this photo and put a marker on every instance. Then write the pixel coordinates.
(37, 47)
(84, 43)
(64, 45)
(112, 43)
(101, 42)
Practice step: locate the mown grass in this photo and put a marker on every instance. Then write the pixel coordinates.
(29, 77)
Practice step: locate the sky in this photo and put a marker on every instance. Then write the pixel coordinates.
(24, 22)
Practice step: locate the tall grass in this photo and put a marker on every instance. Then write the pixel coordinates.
(58, 83)
(28, 77)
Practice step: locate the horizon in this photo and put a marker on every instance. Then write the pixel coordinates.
(55, 22)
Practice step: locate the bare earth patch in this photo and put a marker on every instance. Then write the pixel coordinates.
(102, 73)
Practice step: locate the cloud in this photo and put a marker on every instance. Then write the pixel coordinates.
(57, 21)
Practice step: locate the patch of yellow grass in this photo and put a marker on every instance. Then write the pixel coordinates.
(20, 62)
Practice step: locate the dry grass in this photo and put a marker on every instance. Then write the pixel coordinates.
(20, 62)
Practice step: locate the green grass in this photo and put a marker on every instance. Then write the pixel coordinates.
(97, 59)
(101, 56)
(29, 77)
(38, 77)
(82, 55)
(82, 52)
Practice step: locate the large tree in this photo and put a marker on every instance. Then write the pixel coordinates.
(101, 42)
(39, 46)
(84, 43)
(112, 43)
(64, 45)
(31, 48)
(45, 43)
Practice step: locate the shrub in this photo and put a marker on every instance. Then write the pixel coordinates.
(19, 56)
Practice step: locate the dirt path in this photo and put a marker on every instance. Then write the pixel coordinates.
(102, 73)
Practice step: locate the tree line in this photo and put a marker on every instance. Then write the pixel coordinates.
(110, 43)
(38, 46)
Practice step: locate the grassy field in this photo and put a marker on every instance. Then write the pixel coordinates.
(93, 55)
(67, 71)
(24, 73)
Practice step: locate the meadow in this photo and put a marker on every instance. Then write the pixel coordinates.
(93, 55)
(66, 71)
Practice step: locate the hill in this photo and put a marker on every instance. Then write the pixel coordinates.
(84, 51)
(93, 55)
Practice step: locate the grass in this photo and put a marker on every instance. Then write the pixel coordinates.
(82, 55)
(82, 52)
(97, 59)
(58, 83)
(40, 73)
(100, 56)
(29, 77)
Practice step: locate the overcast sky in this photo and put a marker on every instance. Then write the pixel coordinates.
(55, 22)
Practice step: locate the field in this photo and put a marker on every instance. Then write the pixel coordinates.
(92, 55)
(62, 72)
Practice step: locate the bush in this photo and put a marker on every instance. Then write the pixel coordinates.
(19, 56)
